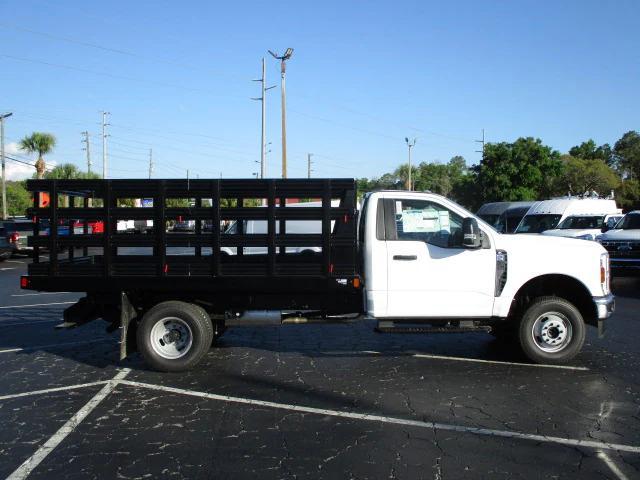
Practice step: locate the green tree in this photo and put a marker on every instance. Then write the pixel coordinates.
(628, 195)
(40, 143)
(69, 171)
(18, 198)
(434, 177)
(585, 175)
(590, 151)
(522, 170)
(627, 154)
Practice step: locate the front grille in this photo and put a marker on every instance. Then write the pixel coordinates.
(622, 249)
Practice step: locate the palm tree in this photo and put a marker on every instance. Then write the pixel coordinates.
(39, 142)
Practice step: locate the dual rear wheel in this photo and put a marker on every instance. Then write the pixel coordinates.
(174, 336)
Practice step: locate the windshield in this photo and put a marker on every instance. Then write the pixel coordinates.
(630, 222)
(582, 222)
(538, 223)
(490, 219)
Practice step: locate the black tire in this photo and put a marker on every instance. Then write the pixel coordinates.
(563, 323)
(188, 322)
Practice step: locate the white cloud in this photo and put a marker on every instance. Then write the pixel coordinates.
(16, 170)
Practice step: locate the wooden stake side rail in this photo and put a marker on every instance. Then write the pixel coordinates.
(208, 202)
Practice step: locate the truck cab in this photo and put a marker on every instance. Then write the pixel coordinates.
(419, 267)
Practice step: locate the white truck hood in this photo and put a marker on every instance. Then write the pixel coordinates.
(620, 235)
(530, 256)
(573, 232)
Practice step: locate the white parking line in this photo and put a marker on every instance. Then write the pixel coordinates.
(36, 305)
(54, 345)
(34, 460)
(50, 390)
(497, 362)
(612, 466)
(571, 442)
(7, 268)
(39, 293)
(479, 360)
(15, 261)
(9, 323)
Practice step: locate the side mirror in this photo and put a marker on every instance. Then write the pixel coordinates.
(604, 228)
(471, 234)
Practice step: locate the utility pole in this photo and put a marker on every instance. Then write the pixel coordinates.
(104, 143)
(263, 137)
(150, 162)
(309, 162)
(87, 148)
(4, 172)
(482, 142)
(283, 70)
(410, 143)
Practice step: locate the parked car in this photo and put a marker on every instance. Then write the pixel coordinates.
(504, 216)
(17, 232)
(584, 227)
(6, 249)
(623, 245)
(185, 226)
(547, 214)
(511, 218)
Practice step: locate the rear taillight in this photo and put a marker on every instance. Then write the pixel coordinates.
(14, 237)
(24, 282)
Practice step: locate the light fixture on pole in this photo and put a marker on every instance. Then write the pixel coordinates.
(283, 69)
(410, 143)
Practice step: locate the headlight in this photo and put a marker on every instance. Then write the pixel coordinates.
(604, 273)
(586, 236)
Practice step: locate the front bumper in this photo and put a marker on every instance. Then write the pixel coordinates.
(605, 306)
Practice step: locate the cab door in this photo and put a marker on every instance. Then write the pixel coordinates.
(429, 272)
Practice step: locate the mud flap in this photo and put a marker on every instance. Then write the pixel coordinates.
(601, 328)
(127, 313)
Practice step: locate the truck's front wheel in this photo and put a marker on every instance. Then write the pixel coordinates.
(551, 331)
(174, 336)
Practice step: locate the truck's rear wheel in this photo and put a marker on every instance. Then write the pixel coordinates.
(551, 331)
(174, 336)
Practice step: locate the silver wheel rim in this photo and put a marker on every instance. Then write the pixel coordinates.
(552, 332)
(171, 338)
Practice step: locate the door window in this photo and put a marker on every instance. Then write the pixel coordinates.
(422, 220)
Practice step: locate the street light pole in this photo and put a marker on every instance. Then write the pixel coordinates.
(410, 143)
(4, 172)
(283, 70)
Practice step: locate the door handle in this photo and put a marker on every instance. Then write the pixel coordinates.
(405, 257)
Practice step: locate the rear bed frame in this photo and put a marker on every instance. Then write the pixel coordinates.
(98, 263)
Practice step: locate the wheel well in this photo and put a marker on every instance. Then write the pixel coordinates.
(562, 286)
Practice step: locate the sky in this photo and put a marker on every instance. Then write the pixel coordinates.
(176, 77)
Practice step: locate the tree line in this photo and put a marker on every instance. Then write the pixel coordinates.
(522, 170)
(526, 169)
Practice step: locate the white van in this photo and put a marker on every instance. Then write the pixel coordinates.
(504, 216)
(547, 214)
(259, 227)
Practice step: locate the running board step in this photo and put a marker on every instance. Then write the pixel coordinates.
(391, 327)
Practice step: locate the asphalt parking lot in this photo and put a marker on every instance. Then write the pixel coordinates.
(337, 401)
